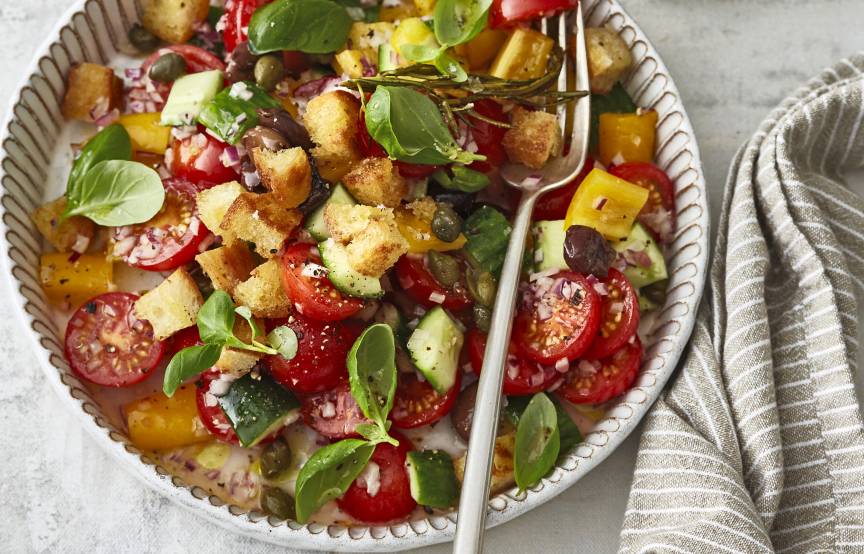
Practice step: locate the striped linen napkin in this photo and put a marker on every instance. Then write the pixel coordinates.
(758, 444)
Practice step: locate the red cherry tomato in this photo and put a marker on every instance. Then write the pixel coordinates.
(393, 498)
(507, 12)
(210, 411)
(521, 377)
(199, 159)
(488, 137)
(107, 345)
(197, 59)
(419, 283)
(333, 413)
(170, 239)
(596, 381)
(319, 364)
(372, 149)
(417, 403)
(294, 62)
(619, 316)
(313, 295)
(658, 214)
(553, 205)
(562, 323)
(238, 14)
(183, 339)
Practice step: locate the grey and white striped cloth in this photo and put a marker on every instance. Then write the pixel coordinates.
(758, 444)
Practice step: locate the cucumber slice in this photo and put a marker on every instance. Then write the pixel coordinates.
(343, 276)
(315, 222)
(258, 406)
(432, 478)
(386, 58)
(640, 239)
(189, 95)
(549, 245)
(434, 347)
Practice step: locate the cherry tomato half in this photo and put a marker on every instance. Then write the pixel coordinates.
(183, 339)
(602, 380)
(419, 283)
(311, 291)
(507, 12)
(561, 323)
(521, 377)
(372, 149)
(333, 413)
(619, 316)
(417, 403)
(199, 159)
(392, 499)
(553, 205)
(658, 214)
(238, 14)
(197, 59)
(488, 137)
(107, 345)
(210, 411)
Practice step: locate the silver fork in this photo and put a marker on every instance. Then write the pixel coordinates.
(481, 446)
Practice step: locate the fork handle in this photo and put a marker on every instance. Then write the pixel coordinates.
(481, 445)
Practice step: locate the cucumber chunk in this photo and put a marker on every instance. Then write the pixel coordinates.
(549, 245)
(432, 478)
(638, 240)
(189, 95)
(434, 347)
(315, 222)
(344, 277)
(258, 406)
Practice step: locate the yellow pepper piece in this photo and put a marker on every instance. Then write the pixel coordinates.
(397, 13)
(524, 56)
(75, 282)
(419, 235)
(349, 62)
(412, 31)
(482, 49)
(147, 134)
(157, 422)
(425, 7)
(627, 137)
(606, 203)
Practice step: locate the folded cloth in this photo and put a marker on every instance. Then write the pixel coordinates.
(758, 444)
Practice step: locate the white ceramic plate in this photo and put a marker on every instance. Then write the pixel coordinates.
(91, 31)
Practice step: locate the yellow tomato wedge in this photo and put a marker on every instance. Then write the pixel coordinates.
(412, 31)
(157, 422)
(147, 134)
(75, 282)
(419, 235)
(627, 137)
(606, 203)
(479, 52)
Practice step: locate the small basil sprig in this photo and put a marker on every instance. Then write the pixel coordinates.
(567, 430)
(328, 474)
(461, 178)
(215, 323)
(372, 376)
(111, 143)
(310, 26)
(410, 128)
(537, 441)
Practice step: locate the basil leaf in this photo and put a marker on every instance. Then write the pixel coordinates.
(246, 313)
(420, 52)
(234, 110)
(410, 128)
(328, 474)
(488, 234)
(216, 319)
(372, 372)
(458, 21)
(463, 179)
(111, 143)
(447, 65)
(537, 441)
(188, 363)
(311, 26)
(567, 430)
(284, 340)
(375, 434)
(115, 193)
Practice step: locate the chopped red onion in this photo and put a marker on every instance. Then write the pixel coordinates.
(562, 365)
(600, 202)
(637, 258)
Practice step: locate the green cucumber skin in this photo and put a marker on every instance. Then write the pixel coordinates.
(438, 363)
(189, 95)
(343, 277)
(255, 407)
(643, 276)
(549, 239)
(432, 478)
(315, 222)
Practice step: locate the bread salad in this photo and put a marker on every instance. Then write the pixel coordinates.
(276, 255)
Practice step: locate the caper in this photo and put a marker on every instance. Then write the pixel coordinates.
(268, 72)
(275, 459)
(482, 287)
(445, 269)
(482, 317)
(142, 39)
(277, 502)
(168, 67)
(446, 223)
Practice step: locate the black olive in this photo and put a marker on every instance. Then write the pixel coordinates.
(205, 285)
(587, 251)
(241, 64)
(263, 137)
(320, 190)
(462, 414)
(282, 122)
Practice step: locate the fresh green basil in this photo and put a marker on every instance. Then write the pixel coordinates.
(372, 372)
(234, 110)
(115, 193)
(488, 234)
(216, 319)
(328, 474)
(447, 65)
(111, 143)
(188, 363)
(567, 430)
(420, 52)
(458, 21)
(410, 128)
(284, 340)
(537, 441)
(462, 179)
(374, 433)
(311, 26)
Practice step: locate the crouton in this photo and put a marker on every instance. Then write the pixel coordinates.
(213, 203)
(608, 58)
(331, 120)
(286, 173)
(263, 292)
(260, 219)
(173, 20)
(227, 266)
(370, 235)
(376, 182)
(533, 138)
(74, 233)
(502, 464)
(367, 37)
(423, 208)
(91, 89)
(236, 361)
(171, 306)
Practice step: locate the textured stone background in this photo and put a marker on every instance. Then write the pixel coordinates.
(733, 61)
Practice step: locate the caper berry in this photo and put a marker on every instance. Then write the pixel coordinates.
(268, 72)
(277, 502)
(142, 39)
(445, 269)
(482, 317)
(275, 459)
(482, 287)
(446, 223)
(168, 67)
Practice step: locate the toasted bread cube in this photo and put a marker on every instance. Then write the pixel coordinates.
(174, 20)
(286, 173)
(74, 233)
(608, 58)
(235, 361)
(91, 88)
(344, 222)
(370, 236)
(423, 208)
(214, 202)
(367, 37)
(331, 120)
(502, 476)
(260, 219)
(227, 266)
(171, 306)
(376, 182)
(533, 138)
(263, 292)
